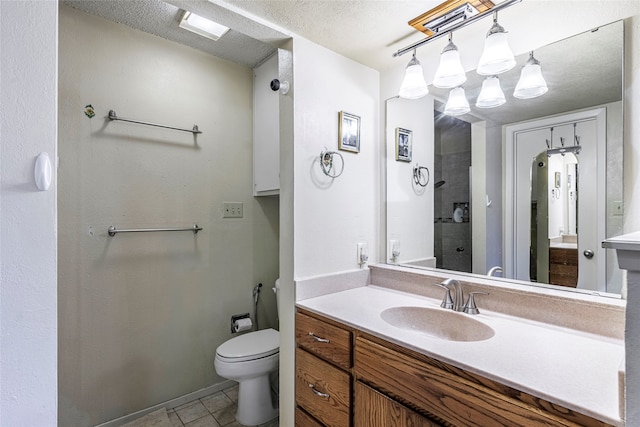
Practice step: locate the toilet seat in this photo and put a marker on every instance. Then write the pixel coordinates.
(250, 346)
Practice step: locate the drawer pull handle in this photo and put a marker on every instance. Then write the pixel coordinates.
(318, 393)
(318, 339)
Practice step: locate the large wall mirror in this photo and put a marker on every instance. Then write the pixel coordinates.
(503, 198)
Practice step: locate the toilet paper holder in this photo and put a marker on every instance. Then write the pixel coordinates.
(236, 317)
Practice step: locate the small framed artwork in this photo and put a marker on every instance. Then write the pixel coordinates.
(403, 144)
(349, 132)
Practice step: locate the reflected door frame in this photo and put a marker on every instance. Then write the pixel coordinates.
(510, 189)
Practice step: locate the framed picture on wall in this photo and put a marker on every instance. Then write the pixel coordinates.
(348, 132)
(403, 144)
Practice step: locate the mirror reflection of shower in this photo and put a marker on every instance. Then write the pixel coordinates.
(554, 214)
(452, 207)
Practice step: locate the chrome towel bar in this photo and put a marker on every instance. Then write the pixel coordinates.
(114, 116)
(113, 230)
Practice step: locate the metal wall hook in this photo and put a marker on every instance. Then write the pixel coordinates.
(418, 177)
(326, 163)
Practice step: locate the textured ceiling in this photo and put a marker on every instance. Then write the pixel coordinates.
(369, 31)
(162, 18)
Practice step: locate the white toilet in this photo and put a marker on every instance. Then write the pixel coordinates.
(249, 359)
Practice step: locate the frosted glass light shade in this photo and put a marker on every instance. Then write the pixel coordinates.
(413, 86)
(497, 56)
(491, 94)
(531, 83)
(450, 72)
(457, 103)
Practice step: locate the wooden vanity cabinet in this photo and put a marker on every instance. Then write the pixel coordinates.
(364, 381)
(323, 372)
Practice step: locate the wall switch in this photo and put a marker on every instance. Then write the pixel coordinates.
(362, 254)
(232, 209)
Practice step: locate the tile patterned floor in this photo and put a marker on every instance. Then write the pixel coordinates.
(216, 410)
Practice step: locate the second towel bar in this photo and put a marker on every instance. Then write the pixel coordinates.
(113, 230)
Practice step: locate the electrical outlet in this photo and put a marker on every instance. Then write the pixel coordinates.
(362, 253)
(232, 209)
(394, 250)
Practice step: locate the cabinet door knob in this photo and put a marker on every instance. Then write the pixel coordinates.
(318, 393)
(318, 339)
(588, 254)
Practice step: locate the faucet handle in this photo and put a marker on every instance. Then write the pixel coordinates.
(470, 307)
(447, 301)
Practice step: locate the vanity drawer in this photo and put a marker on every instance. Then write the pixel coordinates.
(327, 341)
(447, 393)
(329, 400)
(305, 420)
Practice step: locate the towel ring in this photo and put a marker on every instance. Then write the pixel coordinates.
(418, 176)
(326, 163)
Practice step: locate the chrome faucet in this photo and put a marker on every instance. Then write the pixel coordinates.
(456, 303)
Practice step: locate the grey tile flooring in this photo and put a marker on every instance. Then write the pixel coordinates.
(216, 410)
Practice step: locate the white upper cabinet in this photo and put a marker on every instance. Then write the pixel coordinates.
(266, 130)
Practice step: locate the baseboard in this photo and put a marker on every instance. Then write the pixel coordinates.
(170, 404)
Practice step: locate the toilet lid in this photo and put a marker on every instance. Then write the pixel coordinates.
(253, 345)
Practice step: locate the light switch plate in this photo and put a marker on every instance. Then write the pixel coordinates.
(232, 210)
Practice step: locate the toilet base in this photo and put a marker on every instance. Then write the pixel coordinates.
(255, 405)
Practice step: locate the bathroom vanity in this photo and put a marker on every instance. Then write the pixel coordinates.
(368, 356)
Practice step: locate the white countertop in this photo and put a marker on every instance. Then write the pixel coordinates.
(576, 370)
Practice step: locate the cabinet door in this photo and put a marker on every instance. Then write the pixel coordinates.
(376, 409)
(266, 130)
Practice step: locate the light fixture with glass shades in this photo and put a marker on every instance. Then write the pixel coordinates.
(444, 19)
(414, 85)
(202, 26)
(497, 56)
(491, 94)
(450, 72)
(457, 103)
(531, 83)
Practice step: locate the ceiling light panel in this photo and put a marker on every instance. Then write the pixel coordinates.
(202, 26)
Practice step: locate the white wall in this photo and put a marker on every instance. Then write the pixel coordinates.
(142, 314)
(410, 206)
(333, 215)
(28, 304)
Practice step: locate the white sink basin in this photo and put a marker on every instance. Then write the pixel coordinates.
(444, 324)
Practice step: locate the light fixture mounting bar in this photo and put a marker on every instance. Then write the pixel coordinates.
(451, 18)
(505, 4)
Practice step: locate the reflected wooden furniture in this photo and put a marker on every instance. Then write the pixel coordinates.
(563, 266)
